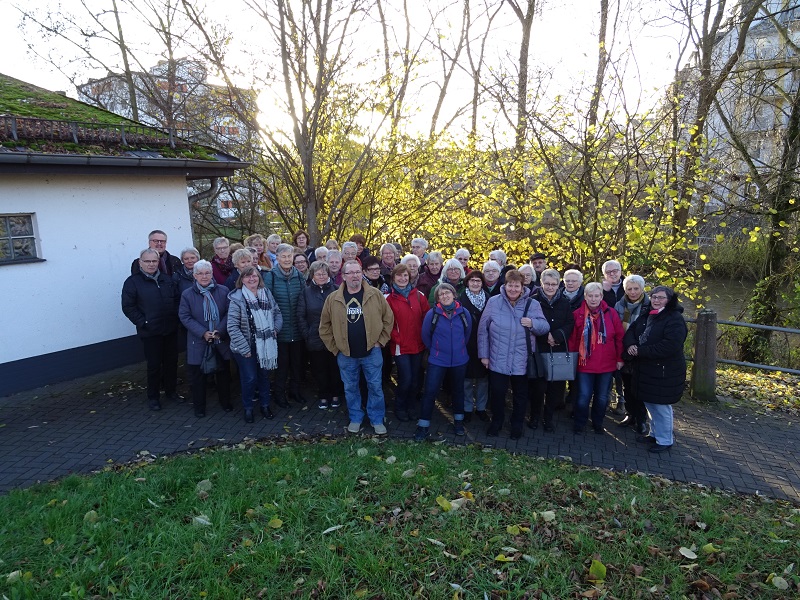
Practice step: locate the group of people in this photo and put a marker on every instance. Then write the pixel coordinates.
(278, 307)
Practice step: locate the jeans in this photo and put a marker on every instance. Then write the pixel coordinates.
(372, 368)
(198, 384)
(161, 353)
(433, 383)
(409, 368)
(498, 386)
(249, 373)
(548, 394)
(592, 384)
(661, 423)
(480, 388)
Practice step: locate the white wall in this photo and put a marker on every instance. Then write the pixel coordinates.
(89, 229)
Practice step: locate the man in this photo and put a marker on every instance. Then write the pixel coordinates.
(612, 283)
(168, 264)
(539, 264)
(150, 300)
(286, 284)
(356, 322)
(418, 249)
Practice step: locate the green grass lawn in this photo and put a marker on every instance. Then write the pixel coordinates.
(364, 518)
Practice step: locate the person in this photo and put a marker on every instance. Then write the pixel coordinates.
(491, 277)
(372, 274)
(597, 338)
(538, 261)
(273, 241)
(185, 275)
(388, 260)
(254, 320)
(445, 331)
(452, 273)
(462, 254)
(309, 309)
(529, 277)
(634, 303)
(321, 253)
(150, 301)
(419, 247)
(221, 261)
(335, 264)
(573, 287)
(300, 263)
(507, 322)
(501, 259)
(241, 259)
(655, 343)
(476, 381)
(361, 243)
(203, 311)
(350, 252)
(612, 282)
(286, 284)
(548, 395)
(257, 241)
(409, 306)
(356, 322)
(302, 240)
(332, 244)
(430, 273)
(168, 264)
(411, 261)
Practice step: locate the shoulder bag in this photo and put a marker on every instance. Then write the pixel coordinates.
(558, 366)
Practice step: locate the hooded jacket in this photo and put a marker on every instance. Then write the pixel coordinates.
(447, 342)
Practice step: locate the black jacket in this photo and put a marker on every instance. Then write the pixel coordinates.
(559, 315)
(577, 300)
(151, 305)
(659, 369)
(475, 368)
(611, 297)
(309, 309)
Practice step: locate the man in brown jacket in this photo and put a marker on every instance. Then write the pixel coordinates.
(356, 322)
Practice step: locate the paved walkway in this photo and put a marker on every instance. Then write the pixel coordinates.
(83, 425)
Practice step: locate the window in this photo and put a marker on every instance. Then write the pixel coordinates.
(17, 241)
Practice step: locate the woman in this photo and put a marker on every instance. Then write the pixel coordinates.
(431, 273)
(301, 240)
(300, 263)
(254, 321)
(388, 260)
(573, 288)
(321, 253)
(257, 241)
(445, 331)
(273, 241)
(221, 262)
(409, 307)
(462, 254)
(634, 303)
(507, 322)
(655, 343)
(372, 274)
(530, 277)
(452, 273)
(189, 258)
(332, 244)
(309, 308)
(412, 262)
(203, 312)
(241, 260)
(491, 277)
(476, 381)
(597, 338)
(556, 309)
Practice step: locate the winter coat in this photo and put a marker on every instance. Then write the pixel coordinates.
(286, 290)
(190, 312)
(447, 342)
(605, 356)
(379, 283)
(475, 368)
(559, 315)
(577, 301)
(408, 315)
(378, 320)
(309, 309)
(151, 304)
(239, 329)
(642, 308)
(659, 369)
(426, 281)
(221, 269)
(459, 286)
(184, 280)
(501, 337)
(611, 297)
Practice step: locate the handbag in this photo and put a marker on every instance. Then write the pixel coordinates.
(559, 366)
(532, 370)
(209, 362)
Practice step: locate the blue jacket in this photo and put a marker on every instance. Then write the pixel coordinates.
(501, 337)
(448, 344)
(190, 312)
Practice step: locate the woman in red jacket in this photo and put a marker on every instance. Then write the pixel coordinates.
(597, 338)
(409, 306)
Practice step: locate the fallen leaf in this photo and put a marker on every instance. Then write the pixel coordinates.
(91, 517)
(435, 542)
(701, 585)
(325, 470)
(512, 529)
(362, 452)
(780, 583)
(590, 594)
(331, 529)
(390, 460)
(503, 558)
(597, 572)
(15, 576)
(444, 503)
(503, 492)
(275, 523)
(408, 473)
(710, 549)
(687, 553)
(637, 570)
(201, 520)
(548, 516)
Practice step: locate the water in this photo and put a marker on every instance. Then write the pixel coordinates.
(728, 296)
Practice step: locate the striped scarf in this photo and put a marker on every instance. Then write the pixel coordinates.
(260, 308)
(594, 332)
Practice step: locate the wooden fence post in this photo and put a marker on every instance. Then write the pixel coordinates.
(704, 370)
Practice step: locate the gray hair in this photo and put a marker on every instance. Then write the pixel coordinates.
(499, 256)
(332, 244)
(593, 286)
(147, 250)
(421, 241)
(388, 246)
(318, 265)
(462, 252)
(492, 263)
(526, 267)
(351, 245)
(550, 273)
(409, 258)
(239, 254)
(282, 248)
(633, 279)
(219, 241)
(662, 288)
(190, 250)
(321, 251)
(574, 272)
(333, 254)
(202, 265)
(451, 263)
(611, 263)
(445, 287)
(274, 238)
(435, 256)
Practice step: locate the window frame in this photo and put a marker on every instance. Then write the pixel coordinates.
(8, 237)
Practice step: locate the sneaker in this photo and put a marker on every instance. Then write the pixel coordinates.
(354, 427)
(380, 428)
(458, 428)
(323, 403)
(335, 402)
(421, 434)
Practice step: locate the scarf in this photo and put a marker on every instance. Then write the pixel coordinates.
(404, 291)
(448, 309)
(594, 332)
(650, 317)
(163, 264)
(478, 300)
(555, 297)
(571, 295)
(226, 266)
(210, 308)
(260, 309)
(154, 276)
(631, 311)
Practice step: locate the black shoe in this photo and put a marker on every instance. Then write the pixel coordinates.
(493, 430)
(533, 424)
(577, 430)
(516, 433)
(659, 448)
(281, 401)
(549, 428)
(266, 412)
(645, 439)
(483, 416)
(421, 434)
(641, 429)
(248, 415)
(401, 416)
(467, 417)
(176, 397)
(627, 421)
(199, 414)
(598, 429)
(154, 404)
(227, 407)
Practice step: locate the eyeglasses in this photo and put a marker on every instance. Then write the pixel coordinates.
(158, 241)
(612, 271)
(149, 262)
(373, 269)
(352, 273)
(491, 270)
(659, 297)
